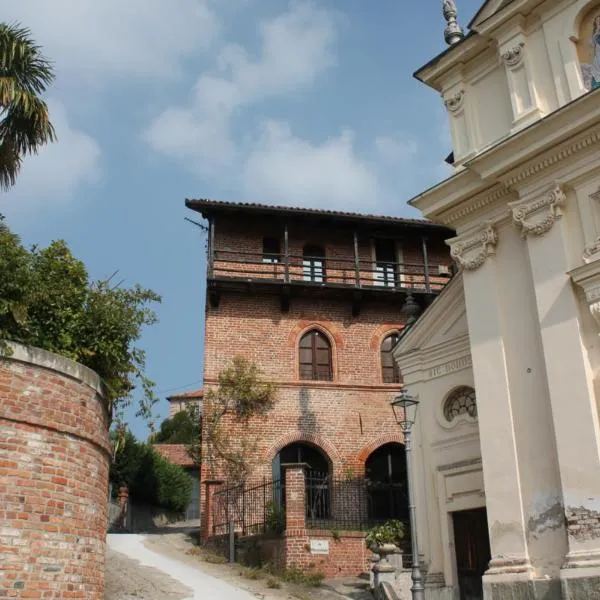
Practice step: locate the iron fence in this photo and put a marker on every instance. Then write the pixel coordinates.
(353, 504)
(253, 508)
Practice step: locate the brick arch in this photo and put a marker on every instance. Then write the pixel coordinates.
(382, 332)
(330, 451)
(367, 450)
(330, 329)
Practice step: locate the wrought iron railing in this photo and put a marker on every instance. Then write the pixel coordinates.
(252, 508)
(317, 270)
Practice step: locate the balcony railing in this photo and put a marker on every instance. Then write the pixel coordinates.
(330, 271)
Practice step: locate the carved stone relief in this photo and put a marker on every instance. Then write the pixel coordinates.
(537, 217)
(471, 251)
(592, 252)
(513, 57)
(454, 102)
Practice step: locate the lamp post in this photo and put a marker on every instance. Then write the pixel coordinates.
(405, 411)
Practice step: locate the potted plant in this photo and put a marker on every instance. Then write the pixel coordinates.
(384, 539)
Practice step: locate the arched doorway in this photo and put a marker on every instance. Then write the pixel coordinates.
(317, 477)
(385, 473)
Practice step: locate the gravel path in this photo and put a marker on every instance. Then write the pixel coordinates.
(135, 572)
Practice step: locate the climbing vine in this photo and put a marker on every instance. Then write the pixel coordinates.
(241, 393)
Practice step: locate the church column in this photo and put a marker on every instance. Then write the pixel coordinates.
(506, 522)
(570, 382)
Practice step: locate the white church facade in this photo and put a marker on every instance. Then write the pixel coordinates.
(505, 361)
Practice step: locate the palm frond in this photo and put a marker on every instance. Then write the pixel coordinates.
(24, 119)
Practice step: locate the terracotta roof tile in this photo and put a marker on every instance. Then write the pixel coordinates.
(175, 453)
(199, 393)
(205, 205)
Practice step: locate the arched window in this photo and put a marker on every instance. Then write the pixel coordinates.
(460, 402)
(390, 373)
(315, 356)
(313, 263)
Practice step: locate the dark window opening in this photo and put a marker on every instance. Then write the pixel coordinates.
(385, 262)
(317, 477)
(390, 373)
(271, 250)
(385, 471)
(313, 263)
(315, 357)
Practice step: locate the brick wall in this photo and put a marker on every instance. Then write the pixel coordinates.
(348, 417)
(54, 460)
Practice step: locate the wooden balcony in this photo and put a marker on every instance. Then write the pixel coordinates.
(290, 275)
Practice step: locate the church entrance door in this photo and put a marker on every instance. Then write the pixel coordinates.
(472, 547)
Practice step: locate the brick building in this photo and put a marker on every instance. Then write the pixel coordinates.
(317, 300)
(179, 402)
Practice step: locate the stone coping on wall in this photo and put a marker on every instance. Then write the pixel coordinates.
(56, 362)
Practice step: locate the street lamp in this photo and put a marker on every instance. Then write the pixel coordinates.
(405, 411)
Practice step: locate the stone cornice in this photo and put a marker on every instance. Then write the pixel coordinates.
(474, 204)
(472, 249)
(559, 137)
(551, 158)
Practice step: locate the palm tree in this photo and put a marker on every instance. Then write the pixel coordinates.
(24, 121)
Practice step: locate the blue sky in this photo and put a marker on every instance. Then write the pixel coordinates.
(301, 103)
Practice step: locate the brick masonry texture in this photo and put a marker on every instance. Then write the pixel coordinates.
(346, 418)
(54, 461)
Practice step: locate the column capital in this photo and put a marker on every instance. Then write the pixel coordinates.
(471, 250)
(537, 216)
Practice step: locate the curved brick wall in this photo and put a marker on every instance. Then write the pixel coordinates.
(54, 460)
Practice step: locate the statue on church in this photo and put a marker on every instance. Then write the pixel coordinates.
(453, 33)
(590, 53)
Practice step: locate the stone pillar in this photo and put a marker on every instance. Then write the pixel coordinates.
(522, 483)
(571, 386)
(499, 453)
(123, 506)
(206, 522)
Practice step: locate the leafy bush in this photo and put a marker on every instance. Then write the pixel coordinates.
(391, 532)
(275, 522)
(151, 479)
(48, 301)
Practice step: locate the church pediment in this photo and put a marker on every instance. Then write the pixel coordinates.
(487, 10)
(445, 320)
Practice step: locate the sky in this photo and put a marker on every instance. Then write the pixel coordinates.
(301, 103)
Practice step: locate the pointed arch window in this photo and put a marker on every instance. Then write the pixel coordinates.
(390, 373)
(315, 357)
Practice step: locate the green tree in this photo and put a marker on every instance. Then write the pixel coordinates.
(24, 120)
(241, 394)
(47, 300)
(178, 429)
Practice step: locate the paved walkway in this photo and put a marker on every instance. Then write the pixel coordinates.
(201, 585)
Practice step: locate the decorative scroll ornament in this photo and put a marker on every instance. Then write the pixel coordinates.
(455, 101)
(592, 253)
(453, 33)
(472, 252)
(514, 56)
(550, 207)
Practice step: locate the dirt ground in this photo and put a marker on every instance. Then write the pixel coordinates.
(126, 579)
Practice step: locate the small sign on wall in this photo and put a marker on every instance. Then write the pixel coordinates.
(319, 546)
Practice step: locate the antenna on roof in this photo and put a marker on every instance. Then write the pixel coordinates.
(203, 227)
(453, 33)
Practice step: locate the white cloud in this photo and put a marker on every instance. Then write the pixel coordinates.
(94, 39)
(296, 48)
(285, 169)
(392, 150)
(54, 175)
